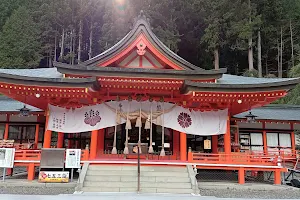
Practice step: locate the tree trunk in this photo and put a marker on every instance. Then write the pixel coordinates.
(250, 54)
(50, 58)
(281, 50)
(73, 47)
(278, 57)
(217, 59)
(80, 40)
(259, 65)
(62, 44)
(292, 44)
(55, 46)
(70, 47)
(91, 40)
(267, 70)
(250, 44)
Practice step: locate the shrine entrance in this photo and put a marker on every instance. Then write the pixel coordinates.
(133, 137)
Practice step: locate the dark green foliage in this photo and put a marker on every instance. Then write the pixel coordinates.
(19, 41)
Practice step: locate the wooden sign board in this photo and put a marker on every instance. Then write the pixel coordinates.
(54, 177)
(7, 143)
(207, 144)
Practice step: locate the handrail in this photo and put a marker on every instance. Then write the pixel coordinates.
(233, 158)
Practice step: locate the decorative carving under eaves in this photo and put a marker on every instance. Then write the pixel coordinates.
(141, 46)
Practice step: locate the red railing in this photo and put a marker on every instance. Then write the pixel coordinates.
(233, 158)
(32, 155)
(35, 155)
(146, 156)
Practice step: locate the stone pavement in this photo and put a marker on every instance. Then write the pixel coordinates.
(110, 196)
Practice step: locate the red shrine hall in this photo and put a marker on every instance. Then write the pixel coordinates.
(139, 90)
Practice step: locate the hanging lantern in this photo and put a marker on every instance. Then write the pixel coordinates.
(250, 117)
(24, 111)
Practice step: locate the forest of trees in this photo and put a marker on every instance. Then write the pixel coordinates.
(259, 38)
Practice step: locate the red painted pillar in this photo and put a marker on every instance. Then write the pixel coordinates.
(6, 131)
(31, 172)
(265, 142)
(214, 142)
(47, 139)
(70, 141)
(277, 177)
(93, 148)
(60, 140)
(241, 176)
(293, 139)
(48, 134)
(101, 141)
(36, 138)
(176, 143)
(183, 149)
(227, 138)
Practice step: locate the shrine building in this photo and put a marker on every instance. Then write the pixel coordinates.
(141, 91)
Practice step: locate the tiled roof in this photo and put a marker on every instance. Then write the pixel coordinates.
(41, 72)
(233, 79)
(11, 105)
(275, 112)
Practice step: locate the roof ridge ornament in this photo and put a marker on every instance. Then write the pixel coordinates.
(142, 17)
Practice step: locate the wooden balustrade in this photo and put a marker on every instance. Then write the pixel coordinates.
(30, 155)
(233, 158)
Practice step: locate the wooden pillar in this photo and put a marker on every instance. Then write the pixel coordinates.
(190, 155)
(100, 139)
(265, 142)
(47, 139)
(227, 138)
(241, 175)
(277, 177)
(60, 140)
(93, 148)
(48, 134)
(31, 172)
(36, 138)
(214, 144)
(293, 139)
(176, 143)
(183, 149)
(6, 131)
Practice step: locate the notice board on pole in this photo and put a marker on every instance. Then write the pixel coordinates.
(7, 156)
(52, 158)
(73, 157)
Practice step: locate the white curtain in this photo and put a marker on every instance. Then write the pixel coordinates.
(272, 142)
(256, 139)
(272, 139)
(285, 140)
(113, 113)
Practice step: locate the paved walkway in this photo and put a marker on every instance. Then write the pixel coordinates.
(111, 196)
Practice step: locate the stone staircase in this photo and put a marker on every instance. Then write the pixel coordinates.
(154, 179)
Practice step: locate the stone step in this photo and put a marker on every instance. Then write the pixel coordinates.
(134, 168)
(111, 173)
(134, 173)
(110, 184)
(174, 191)
(166, 185)
(134, 184)
(165, 174)
(134, 189)
(124, 178)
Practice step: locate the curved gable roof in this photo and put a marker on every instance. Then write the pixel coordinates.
(141, 27)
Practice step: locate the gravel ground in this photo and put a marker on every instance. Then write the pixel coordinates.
(36, 190)
(252, 194)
